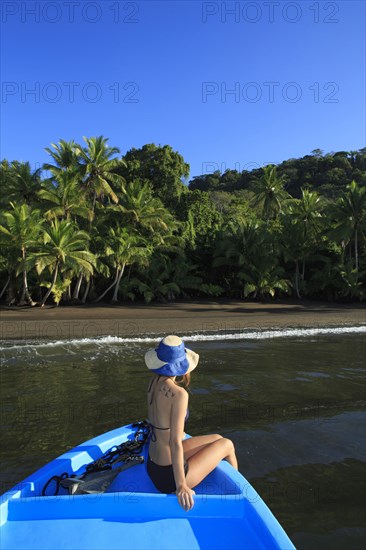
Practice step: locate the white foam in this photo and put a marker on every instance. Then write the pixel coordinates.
(281, 333)
(201, 337)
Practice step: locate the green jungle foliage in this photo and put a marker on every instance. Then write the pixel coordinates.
(94, 225)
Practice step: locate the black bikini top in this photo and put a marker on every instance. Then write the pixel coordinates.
(151, 400)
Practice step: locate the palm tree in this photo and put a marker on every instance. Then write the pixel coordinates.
(294, 249)
(167, 278)
(9, 259)
(94, 170)
(142, 209)
(66, 198)
(265, 278)
(101, 268)
(351, 285)
(155, 287)
(100, 169)
(239, 245)
(307, 211)
(270, 193)
(302, 224)
(20, 183)
(64, 246)
(124, 248)
(23, 228)
(349, 214)
(59, 287)
(184, 275)
(65, 193)
(240, 248)
(155, 282)
(64, 156)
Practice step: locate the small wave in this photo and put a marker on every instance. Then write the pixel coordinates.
(277, 333)
(101, 340)
(240, 335)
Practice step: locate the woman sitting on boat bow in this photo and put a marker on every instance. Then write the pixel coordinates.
(176, 464)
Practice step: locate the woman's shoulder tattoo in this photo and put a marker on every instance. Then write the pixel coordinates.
(167, 391)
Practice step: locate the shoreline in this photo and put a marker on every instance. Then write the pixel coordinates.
(137, 319)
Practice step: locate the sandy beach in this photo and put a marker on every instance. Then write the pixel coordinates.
(181, 318)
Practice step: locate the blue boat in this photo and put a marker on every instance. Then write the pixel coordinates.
(131, 514)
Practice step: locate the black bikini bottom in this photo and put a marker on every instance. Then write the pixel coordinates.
(163, 476)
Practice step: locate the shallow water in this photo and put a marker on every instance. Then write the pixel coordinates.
(294, 405)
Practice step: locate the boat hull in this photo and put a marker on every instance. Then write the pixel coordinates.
(228, 513)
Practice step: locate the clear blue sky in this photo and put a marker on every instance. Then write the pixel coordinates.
(160, 72)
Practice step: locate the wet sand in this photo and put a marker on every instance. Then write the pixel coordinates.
(179, 318)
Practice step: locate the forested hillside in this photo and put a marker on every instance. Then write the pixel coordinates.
(95, 225)
(325, 174)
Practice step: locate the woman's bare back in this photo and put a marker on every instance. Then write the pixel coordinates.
(160, 397)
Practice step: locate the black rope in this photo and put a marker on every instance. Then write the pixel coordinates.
(57, 479)
(127, 451)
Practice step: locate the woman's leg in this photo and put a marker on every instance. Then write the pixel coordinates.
(206, 459)
(192, 445)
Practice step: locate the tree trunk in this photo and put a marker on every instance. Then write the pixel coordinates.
(29, 297)
(51, 287)
(93, 208)
(110, 286)
(94, 200)
(77, 287)
(356, 250)
(343, 247)
(115, 294)
(22, 301)
(86, 292)
(25, 291)
(66, 295)
(11, 294)
(5, 286)
(297, 280)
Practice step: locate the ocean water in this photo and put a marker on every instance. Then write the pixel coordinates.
(292, 401)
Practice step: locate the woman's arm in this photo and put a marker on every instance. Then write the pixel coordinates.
(178, 412)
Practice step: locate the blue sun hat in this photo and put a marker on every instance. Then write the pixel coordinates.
(171, 357)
